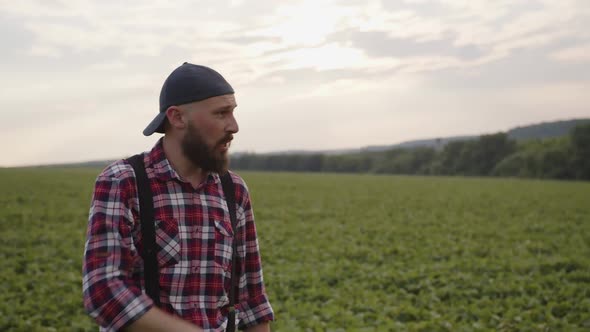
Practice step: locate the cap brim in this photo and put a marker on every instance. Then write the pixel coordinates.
(156, 125)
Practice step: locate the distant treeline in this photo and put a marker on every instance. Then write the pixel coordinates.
(566, 157)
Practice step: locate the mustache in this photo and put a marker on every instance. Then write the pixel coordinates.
(226, 139)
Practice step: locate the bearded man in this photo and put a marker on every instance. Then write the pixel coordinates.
(193, 231)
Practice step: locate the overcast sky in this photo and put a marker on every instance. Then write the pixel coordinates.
(80, 79)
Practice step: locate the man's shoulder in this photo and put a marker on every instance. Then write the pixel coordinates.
(238, 180)
(119, 170)
(242, 191)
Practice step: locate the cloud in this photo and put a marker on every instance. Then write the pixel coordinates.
(380, 44)
(298, 34)
(574, 54)
(313, 64)
(15, 38)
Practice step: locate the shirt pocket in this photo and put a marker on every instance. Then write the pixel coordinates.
(223, 244)
(167, 242)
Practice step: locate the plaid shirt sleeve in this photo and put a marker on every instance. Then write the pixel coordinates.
(110, 294)
(255, 307)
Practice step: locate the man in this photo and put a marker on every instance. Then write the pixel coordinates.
(193, 229)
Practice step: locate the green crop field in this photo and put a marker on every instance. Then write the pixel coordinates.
(341, 252)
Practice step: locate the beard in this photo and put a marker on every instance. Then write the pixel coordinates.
(201, 155)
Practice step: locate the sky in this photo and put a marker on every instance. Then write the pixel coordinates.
(81, 79)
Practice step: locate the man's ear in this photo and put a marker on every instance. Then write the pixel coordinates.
(175, 117)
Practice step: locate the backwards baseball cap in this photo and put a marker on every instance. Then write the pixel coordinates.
(186, 84)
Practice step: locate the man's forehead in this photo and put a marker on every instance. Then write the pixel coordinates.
(228, 100)
(223, 101)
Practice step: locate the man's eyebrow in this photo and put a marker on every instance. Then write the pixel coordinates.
(226, 108)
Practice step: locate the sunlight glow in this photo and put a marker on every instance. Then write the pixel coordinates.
(305, 23)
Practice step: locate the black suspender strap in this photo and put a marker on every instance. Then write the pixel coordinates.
(229, 192)
(148, 232)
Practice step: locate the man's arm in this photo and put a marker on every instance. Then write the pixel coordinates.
(156, 320)
(111, 295)
(255, 310)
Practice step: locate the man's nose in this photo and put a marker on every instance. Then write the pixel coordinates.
(232, 126)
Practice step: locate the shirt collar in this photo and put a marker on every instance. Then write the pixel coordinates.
(163, 170)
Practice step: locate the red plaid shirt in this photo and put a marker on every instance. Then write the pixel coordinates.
(194, 238)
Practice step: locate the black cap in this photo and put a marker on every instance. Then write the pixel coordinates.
(186, 84)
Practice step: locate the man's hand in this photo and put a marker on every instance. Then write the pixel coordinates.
(156, 320)
(264, 327)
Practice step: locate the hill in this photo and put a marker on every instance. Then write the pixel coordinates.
(545, 129)
(535, 131)
(522, 133)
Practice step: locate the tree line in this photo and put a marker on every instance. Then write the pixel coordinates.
(566, 157)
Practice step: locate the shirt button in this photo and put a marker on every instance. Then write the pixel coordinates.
(196, 269)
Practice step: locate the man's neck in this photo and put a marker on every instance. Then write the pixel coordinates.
(183, 166)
